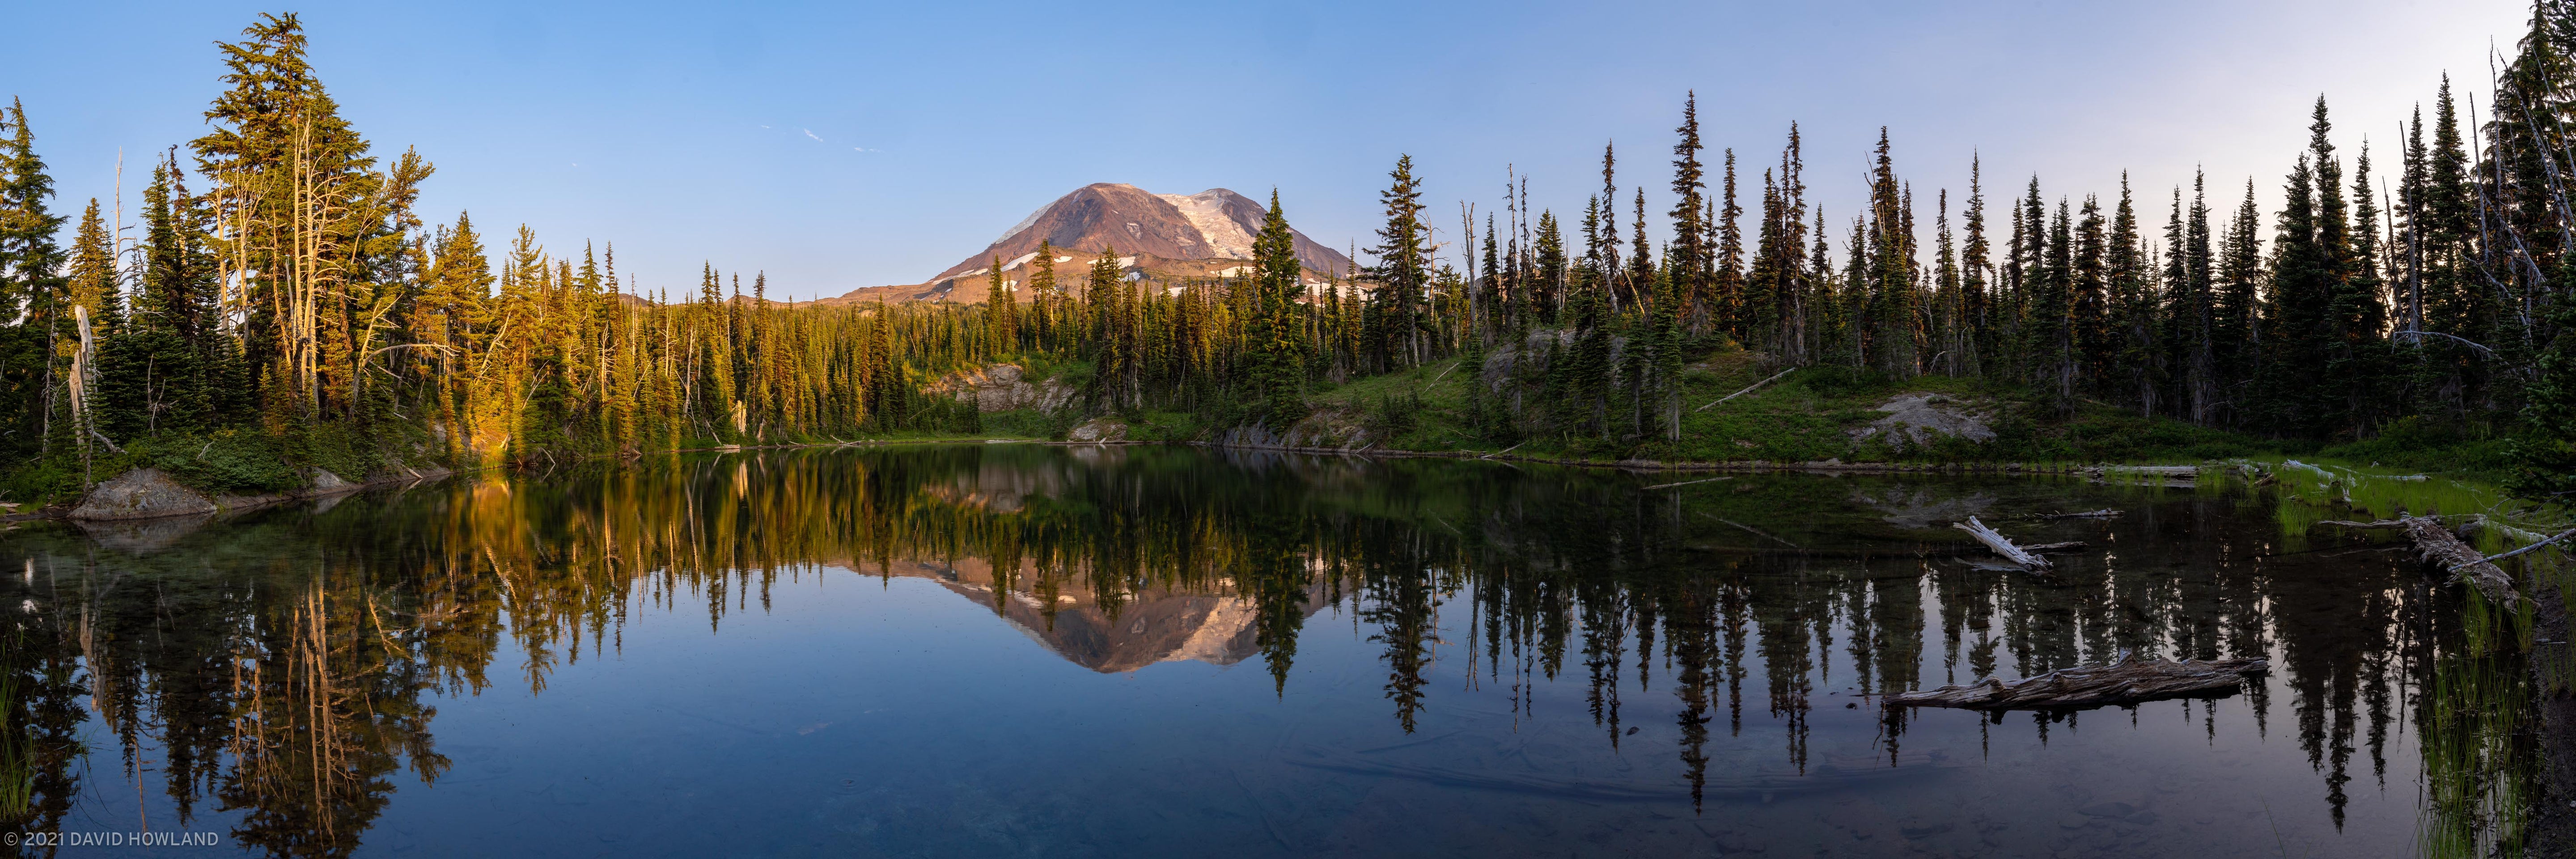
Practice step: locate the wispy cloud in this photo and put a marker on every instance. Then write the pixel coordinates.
(810, 133)
(864, 149)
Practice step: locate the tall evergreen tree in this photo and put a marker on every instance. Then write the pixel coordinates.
(1403, 270)
(1689, 257)
(1276, 366)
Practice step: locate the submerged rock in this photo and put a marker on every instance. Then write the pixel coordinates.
(144, 493)
(143, 536)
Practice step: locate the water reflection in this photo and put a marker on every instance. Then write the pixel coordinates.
(281, 674)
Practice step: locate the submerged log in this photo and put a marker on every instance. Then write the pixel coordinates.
(2105, 513)
(2003, 547)
(2127, 680)
(2438, 546)
(2165, 470)
(2170, 476)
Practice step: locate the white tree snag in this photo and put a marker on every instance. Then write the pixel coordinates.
(2438, 546)
(1748, 389)
(2127, 680)
(2571, 532)
(2477, 521)
(2003, 547)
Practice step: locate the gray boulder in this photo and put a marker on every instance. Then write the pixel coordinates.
(144, 493)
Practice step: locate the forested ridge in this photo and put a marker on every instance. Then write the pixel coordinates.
(278, 303)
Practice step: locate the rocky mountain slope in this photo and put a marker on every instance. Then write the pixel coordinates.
(1162, 236)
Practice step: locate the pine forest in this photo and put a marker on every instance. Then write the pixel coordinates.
(277, 303)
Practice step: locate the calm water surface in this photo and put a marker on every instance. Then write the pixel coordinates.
(1021, 650)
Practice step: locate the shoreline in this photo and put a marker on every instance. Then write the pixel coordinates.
(2179, 472)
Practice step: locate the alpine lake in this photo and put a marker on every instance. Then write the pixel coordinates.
(1123, 651)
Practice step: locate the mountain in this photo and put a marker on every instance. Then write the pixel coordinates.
(1163, 236)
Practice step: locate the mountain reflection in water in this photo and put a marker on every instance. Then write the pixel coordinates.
(1455, 657)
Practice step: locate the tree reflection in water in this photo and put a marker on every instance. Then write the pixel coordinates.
(287, 664)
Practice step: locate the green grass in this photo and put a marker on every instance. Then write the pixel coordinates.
(1805, 417)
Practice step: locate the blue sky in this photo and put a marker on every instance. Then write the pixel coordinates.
(845, 145)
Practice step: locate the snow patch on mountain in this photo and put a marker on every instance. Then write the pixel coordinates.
(1206, 211)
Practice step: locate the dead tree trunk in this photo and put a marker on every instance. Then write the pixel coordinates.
(2127, 680)
(2004, 547)
(2438, 546)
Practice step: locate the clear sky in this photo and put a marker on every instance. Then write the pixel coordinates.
(845, 145)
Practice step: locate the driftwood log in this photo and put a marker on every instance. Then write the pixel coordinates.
(1747, 389)
(1943, 551)
(2171, 476)
(2003, 547)
(2438, 546)
(2163, 470)
(2105, 513)
(2127, 680)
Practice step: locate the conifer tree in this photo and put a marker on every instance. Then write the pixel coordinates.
(2545, 456)
(1403, 270)
(1606, 223)
(1726, 302)
(1001, 313)
(1045, 301)
(1975, 296)
(2238, 304)
(30, 289)
(1275, 368)
(1548, 283)
(1689, 256)
(2051, 308)
(2133, 358)
(1887, 329)
(2089, 310)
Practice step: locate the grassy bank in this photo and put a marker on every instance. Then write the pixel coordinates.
(1809, 415)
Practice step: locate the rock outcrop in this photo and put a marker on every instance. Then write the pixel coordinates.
(144, 493)
(1099, 429)
(1330, 428)
(149, 493)
(327, 483)
(1918, 420)
(1003, 387)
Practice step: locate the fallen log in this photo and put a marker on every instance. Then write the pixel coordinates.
(2105, 513)
(2438, 546)
(2167, 470)
(2003, 547)
(2127, 680)
(2476, 521)
(2034, 548)
(1925, 552)
(2571, 532)
(2319, 472)
(1748, 389)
